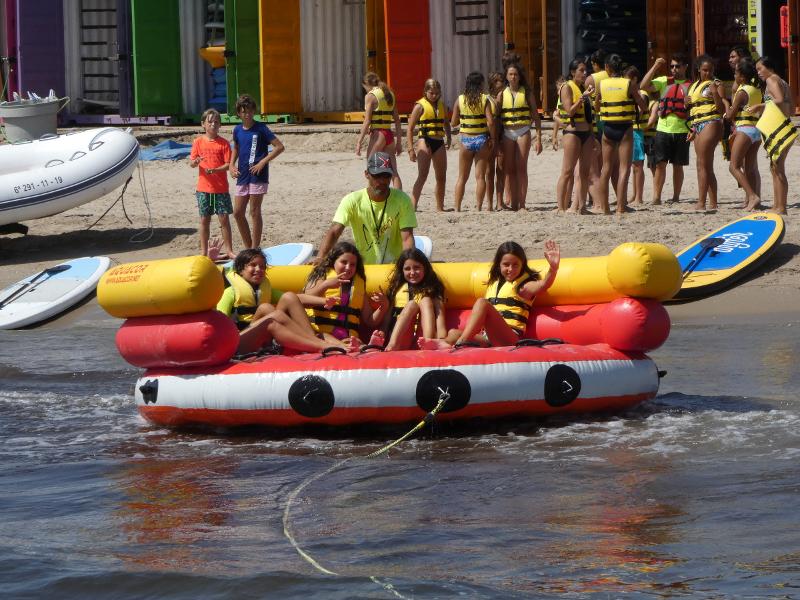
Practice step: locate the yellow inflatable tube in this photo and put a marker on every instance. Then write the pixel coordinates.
(634, 269)
(193, 284)
(160, 287)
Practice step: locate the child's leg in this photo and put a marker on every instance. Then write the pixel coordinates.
(227, 237)
(205, 233)
(485, 316)
(638, 182)
(427, 317)
(403, 331)
(423, 167)
(291, 305)
(623, 163)
(439, 160)
(481, 164)
(509, 176)
(464, 167)
(521, 167)
(255, 217)
(240, 216)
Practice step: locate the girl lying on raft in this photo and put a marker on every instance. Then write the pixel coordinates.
(263, 314)
(501, 317)
(416, 296)
(336, 294)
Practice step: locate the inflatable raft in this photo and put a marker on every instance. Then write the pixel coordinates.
(56, 173)
(584, 351)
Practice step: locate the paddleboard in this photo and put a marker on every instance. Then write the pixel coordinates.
(719, 259)
(50, 292)
(294, 253)
(424, 244)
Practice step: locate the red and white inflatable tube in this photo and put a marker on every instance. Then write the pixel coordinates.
(397, 387)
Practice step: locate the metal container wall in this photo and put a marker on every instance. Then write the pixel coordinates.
(195, 72)
(454, 56)
(90, 43)
(333, 51)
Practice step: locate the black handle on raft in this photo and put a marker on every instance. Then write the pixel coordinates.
(367, 347)
(333, 350)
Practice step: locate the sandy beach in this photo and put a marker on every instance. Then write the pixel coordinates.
(320, 166)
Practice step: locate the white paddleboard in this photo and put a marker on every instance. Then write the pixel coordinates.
(50, 292)
(294, 253)
(424, 244)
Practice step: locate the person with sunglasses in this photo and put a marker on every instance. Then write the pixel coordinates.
(671, 144)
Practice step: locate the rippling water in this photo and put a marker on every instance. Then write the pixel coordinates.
(693, 494)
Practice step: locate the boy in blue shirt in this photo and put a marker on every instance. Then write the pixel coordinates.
(250, 165)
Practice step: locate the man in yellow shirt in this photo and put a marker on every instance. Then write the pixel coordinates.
(382, 219)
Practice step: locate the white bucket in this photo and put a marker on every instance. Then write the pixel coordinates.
(24, 120)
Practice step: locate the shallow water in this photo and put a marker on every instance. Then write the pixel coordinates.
(692, 495)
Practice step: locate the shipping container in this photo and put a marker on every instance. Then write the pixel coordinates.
(279, 46)
(333, 57)
(465, 36)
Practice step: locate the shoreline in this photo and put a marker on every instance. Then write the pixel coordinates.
(318, 169)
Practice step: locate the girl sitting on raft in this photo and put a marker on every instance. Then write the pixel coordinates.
(335, 293)
(263, 314)
(416, 295)
(501, 316)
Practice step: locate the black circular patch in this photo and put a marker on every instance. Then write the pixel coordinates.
(432, 383)
(311, 396)
(561, 385)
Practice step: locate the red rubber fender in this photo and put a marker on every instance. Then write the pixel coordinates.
(199, 339)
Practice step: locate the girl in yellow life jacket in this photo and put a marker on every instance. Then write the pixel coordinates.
(335, 294)
(429, 115)
(617, 102)
(472, 114)
(518, 113)
(261, 317)
(746, 137)
(416, 297)
(495, 178)
(382, 122)
(500, 318)
(576, 117)
(705, 128)
(776, 127)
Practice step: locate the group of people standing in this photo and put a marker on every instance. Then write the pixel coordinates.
(613, 120)
(495, 125)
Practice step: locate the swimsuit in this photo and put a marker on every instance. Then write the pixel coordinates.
(700, 126)
(583, 136)
(614, 131)
(387, 135)
(474, 143)
(750, 131)
(515, 134)
(433, 144)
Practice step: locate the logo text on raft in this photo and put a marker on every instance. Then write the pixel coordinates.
(734, 241)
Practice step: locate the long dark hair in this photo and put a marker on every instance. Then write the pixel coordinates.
(473, 88)
(244, 257)
(747, 68)
(523, 79)
(573, 66)
(518, 251)
(614, 65)
(430, 285)
(321, 270)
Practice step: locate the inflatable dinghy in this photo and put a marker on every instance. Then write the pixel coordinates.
(56, 173)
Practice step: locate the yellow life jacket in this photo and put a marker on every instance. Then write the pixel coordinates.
(347, 316)
(642, 117)
(616, 105)
(383, 116)
(473, 122)
(598, 79)
(403, 297)
(515, 109)
(650, 131)
(777, 130)
(431, 123)
(754, 96)
(701, 109)
(580, 114)
(246, 300)
(514, 309)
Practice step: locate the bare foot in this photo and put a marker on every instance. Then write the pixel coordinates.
(700, 206)
(376, 339)
(656, 202)
(432, 344)
(637, 203)
(753, 203)
(353, 344)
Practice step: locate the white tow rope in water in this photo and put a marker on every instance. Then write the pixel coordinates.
(444, 396)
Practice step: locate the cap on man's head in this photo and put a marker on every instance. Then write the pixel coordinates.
(379, 163)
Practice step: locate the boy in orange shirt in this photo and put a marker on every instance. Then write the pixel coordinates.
(212, 154)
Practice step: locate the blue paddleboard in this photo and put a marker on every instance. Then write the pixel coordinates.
(717, 260)
(294, 253)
